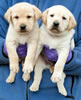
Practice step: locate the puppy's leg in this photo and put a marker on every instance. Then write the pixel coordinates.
(60, 85)
(25, 76)
(29, 61)
(38, 51)
(32, 56)
(13, 58)
(40, 66)
(59, 66)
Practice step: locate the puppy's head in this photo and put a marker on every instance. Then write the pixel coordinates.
(58, 19)
(23, 17)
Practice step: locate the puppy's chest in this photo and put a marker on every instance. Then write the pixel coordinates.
(22, 39)
(54, 42)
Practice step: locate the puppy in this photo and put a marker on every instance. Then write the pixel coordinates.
(23, 28)
(56, 32)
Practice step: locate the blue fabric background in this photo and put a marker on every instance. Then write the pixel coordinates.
(48, 90)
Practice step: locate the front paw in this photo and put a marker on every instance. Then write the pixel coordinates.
(26, 77)
(28, 68)
(10, 79)
(34, 88)
(57, 76)
(63, 91)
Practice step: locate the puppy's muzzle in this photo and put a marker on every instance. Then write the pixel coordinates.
(23, 27)
(56, 24)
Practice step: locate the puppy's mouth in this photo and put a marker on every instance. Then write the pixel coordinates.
(23, 31)
(54, 29)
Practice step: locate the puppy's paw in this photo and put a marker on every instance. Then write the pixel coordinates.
(56, 77)
(14, 68)
(28, 68)
(34, 88)
(26, 77)
(10, 79)
(63, 91)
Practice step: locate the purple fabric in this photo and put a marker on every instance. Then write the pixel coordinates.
(21, 50)
(51, 54)
(5, 50)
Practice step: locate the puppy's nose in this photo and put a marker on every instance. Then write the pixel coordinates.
(56, 24)
(23, 27)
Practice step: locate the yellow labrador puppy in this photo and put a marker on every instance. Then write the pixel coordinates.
(56, 32)
(23, 28)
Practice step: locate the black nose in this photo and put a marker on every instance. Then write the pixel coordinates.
(56, 24)
(23, 27)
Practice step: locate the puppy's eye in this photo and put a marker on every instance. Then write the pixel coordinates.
(64, 18)
(28, 17)
(16, 17)
(51, 15)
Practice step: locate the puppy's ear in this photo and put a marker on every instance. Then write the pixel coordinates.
(8, 15)
(72, 22)
(44, 17)
(37, 13)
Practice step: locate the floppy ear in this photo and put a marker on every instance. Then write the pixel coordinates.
(7, 15)
(72, 22)
(37, 13)
(44, 17)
